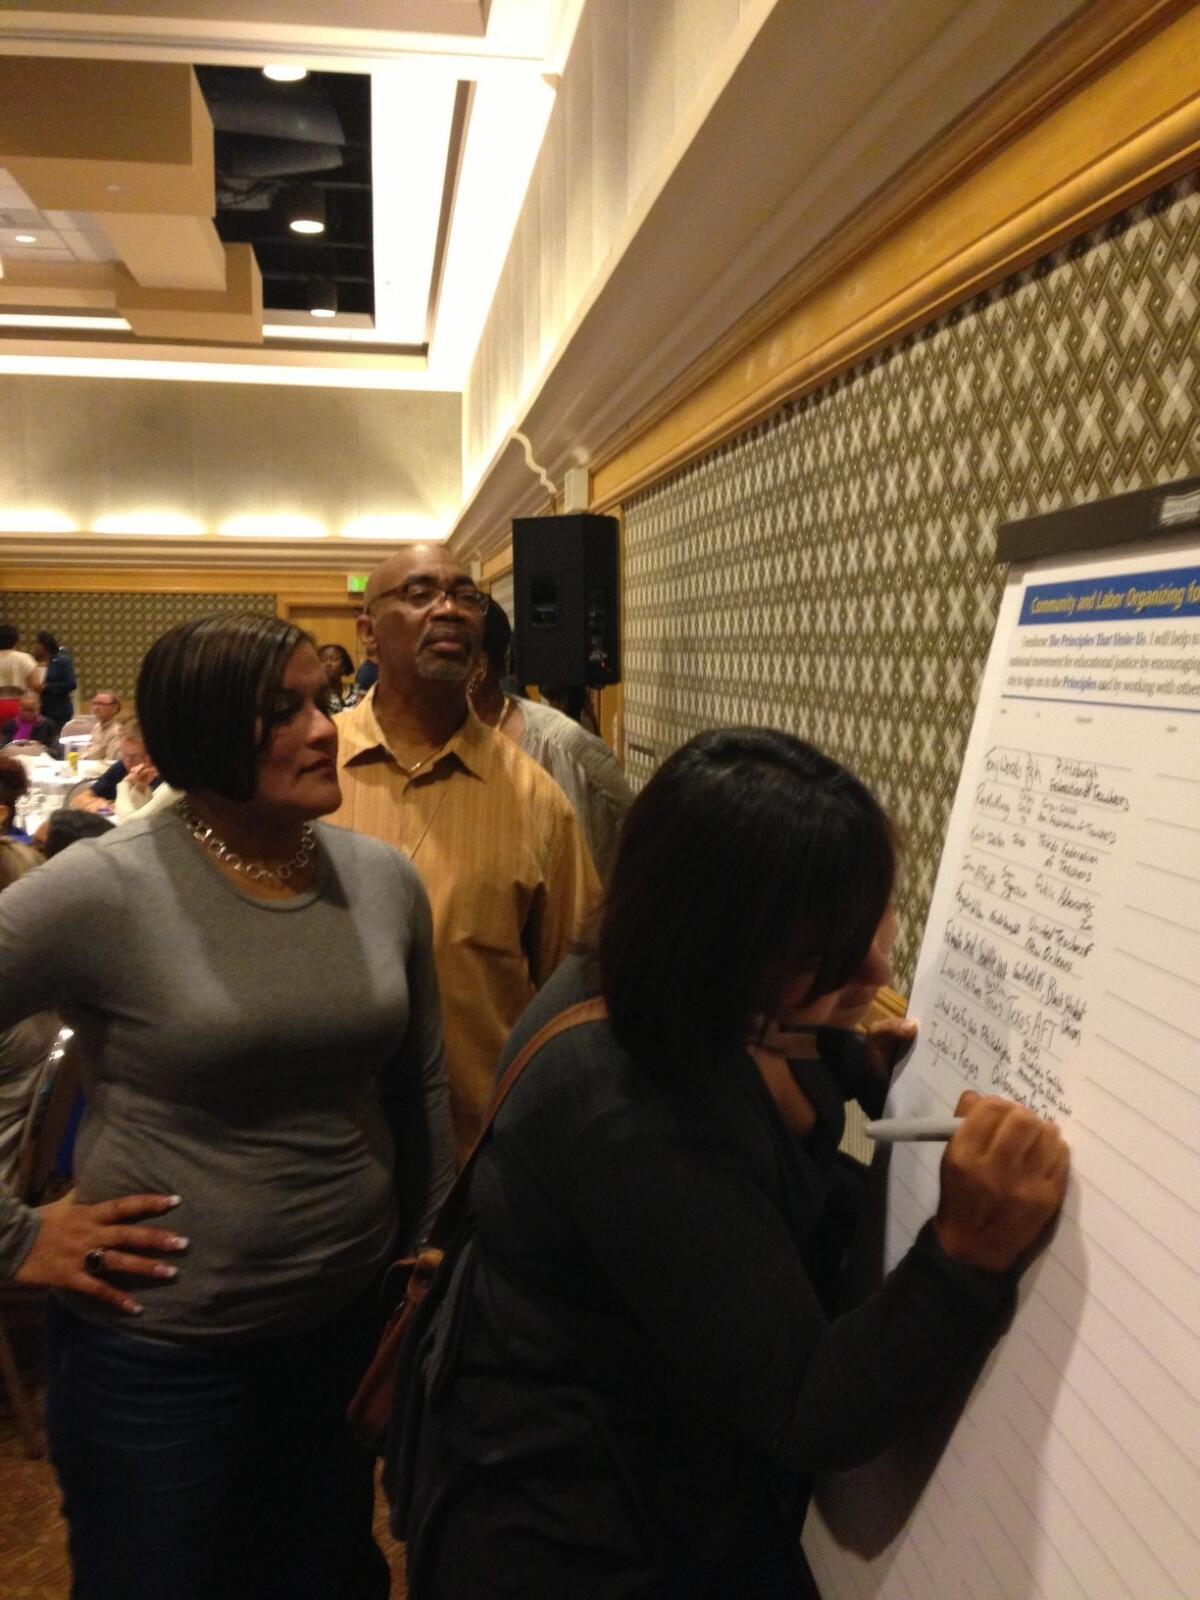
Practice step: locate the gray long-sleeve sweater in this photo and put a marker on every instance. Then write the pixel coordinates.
(278, 1064)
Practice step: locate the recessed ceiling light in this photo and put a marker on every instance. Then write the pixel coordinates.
(322, 298)
(281, 72)
(26, 238)
(305, 210)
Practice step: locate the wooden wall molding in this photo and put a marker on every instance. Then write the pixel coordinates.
(498, 565)
(40, 561)
(1105, 114)
(301, 588)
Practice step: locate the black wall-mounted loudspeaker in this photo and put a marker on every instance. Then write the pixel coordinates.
(565, 595)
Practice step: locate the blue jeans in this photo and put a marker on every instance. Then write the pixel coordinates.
(193, 1473)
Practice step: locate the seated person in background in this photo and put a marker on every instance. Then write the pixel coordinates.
(582, 765)
(128, 784)
(13, 784)
(106, 736)
(29, 724)
(23, 1047)
(65, 826)
(337, 667)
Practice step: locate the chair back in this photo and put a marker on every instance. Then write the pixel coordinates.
(46, 1122)
(77, 734)
(77, 788)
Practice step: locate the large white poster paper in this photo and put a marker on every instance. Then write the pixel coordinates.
(1061, 967)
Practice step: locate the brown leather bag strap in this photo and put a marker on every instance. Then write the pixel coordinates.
(453, 1208)
(574, 1017)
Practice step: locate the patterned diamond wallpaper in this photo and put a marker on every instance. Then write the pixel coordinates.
(108, 634)
(831, 573)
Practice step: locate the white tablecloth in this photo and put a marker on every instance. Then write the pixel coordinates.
(49, 784)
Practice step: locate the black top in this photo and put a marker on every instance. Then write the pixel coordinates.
(58, 683)
(632, 1379)
(105, 786)
(109, 781)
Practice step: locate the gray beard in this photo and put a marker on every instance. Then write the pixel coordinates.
(436, 669)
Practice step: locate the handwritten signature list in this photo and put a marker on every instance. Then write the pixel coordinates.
(1013, 998)
(1061, 968)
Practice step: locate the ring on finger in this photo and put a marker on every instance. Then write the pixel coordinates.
(93, 1262)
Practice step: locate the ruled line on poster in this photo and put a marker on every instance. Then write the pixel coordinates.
(1153, 1015)
(1184, 1104)
(1171, 872)
(1156, 966)
(1171, 922)
(1099, 1086)
(1134, 1222)
(1016, 1485)
(1099, 1487)
(1174, 822)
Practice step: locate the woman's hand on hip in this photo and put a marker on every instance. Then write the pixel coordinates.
(80, 1247)
(1004, 1174)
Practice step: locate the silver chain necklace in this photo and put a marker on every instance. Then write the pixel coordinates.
(258, 871)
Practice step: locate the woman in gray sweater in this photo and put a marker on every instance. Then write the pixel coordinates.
(266, 1122)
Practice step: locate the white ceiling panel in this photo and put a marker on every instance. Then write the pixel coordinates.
(88, 246)
(48, 245)
(12, 196)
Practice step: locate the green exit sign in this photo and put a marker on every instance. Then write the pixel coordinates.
(356, 583)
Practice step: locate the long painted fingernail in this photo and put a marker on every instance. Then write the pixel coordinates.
(178, 1242)
(132, 1307)
(174, 1199)
(161, 1270)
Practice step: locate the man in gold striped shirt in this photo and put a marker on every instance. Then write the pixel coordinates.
(493, 837)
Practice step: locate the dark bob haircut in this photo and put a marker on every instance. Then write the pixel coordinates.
(497, 637)
(47, 641)
(207, 698)
(343, 653)
(747, 858)
(8, 636)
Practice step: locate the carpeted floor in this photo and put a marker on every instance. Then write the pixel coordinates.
(33, 1546)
